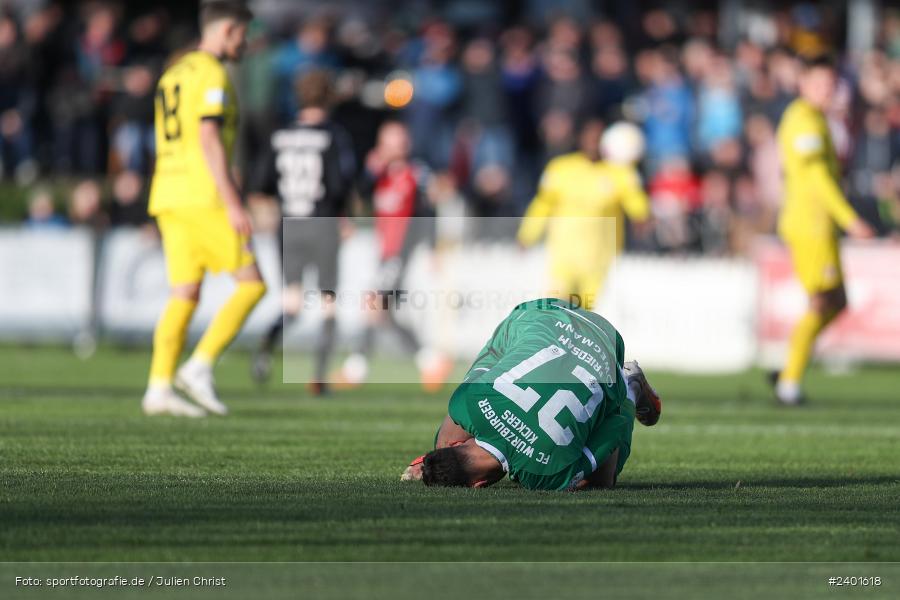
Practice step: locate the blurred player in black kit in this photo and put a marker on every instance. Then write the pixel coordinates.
(311, 170)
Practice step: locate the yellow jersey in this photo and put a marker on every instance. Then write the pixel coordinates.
(577, 188)
(814, 204)
(195, 88)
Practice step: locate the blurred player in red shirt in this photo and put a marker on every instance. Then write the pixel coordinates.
(396, 186)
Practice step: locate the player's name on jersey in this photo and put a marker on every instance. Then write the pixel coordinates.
(510, 428)
(583, 348)
(312, 139)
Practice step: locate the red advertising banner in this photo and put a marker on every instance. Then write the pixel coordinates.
(868, 330)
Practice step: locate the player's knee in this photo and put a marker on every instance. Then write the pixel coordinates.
(187, 291)
(254, 290)
(827, 302)
(830, 303)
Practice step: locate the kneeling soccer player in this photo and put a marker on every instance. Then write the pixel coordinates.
(549, 400)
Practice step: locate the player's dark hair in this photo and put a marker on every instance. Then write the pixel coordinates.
(818, 61)
(216, 10)
(445, 467)
(314, 89)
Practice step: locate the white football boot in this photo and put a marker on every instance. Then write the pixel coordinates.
(162, 400)
(648, 406)
(789, 393)
(195, 379)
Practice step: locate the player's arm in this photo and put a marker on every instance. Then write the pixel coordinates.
(633, 198)
(534, 223)
(449, 434)
(809, 145)
(217, 163)
(605, 446)
(831, 195)
(213, 83)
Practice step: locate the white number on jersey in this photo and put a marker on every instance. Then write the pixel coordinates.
(299, 181)
(526, 398)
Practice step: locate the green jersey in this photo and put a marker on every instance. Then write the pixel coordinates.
(546, 396)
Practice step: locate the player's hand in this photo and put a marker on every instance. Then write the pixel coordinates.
(240, 220)
(860, 230)
(375, 164)
(414, 471)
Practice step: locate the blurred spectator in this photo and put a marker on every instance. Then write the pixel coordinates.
(784, 71)
(765, 168)
(712, 219)
(611, 83)
(520, 72)
(132, 112)
(256, 88)
(659, 27)
(17, 102)
(42, 212)
(309, 49)
(675, 197)
(129, 205)
(669, 108)
(80, 99)
(563, 99)
(132, 107)
(85, 205)
(719, 117)
(46, 52)
(484, 107)
(564, 35)
(874, 157)
(438, 85)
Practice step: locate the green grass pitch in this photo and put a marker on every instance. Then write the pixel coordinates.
(725, 476)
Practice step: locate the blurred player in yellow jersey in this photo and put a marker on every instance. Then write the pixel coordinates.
(579, 207)
(813, 211)
(197, 205)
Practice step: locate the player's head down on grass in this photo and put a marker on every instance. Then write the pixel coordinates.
(461, 465)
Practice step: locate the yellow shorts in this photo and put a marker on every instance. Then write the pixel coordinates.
(579, 282)
(199, 240)
(817, 263)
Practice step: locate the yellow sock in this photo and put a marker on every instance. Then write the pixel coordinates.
(228, 320)
(168, 339)
(802, 340)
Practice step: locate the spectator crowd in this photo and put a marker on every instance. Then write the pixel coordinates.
(500, 88)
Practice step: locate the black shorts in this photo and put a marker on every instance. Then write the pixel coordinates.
(313, 242)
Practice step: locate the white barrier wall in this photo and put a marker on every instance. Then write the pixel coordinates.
(45, 282)
(693, 315)
(685, 314)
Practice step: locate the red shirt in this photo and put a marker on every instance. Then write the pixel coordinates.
(394, 201)
(678, 187)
